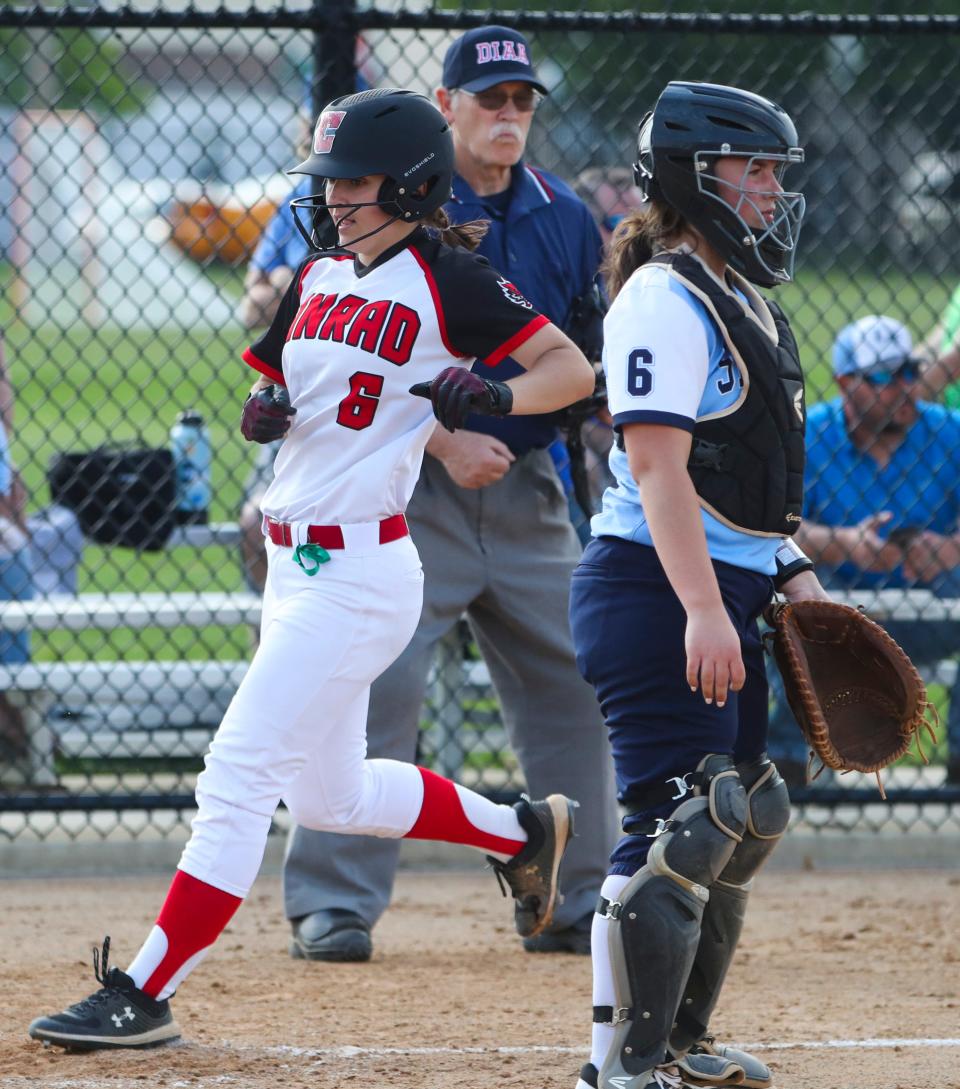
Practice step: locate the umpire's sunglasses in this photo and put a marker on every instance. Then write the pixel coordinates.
(906, 372)
(526, 100)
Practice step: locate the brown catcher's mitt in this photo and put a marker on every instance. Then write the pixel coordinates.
(857, 697)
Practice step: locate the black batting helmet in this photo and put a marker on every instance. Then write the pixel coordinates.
(386, 131)
(693, 125)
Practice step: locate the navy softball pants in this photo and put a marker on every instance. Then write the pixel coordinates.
(628, 630)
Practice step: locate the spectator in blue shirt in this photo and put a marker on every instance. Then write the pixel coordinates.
(610, 193)
(16, 569)
(15, 557)
(280, 250)
(882, 505)
(491, 521)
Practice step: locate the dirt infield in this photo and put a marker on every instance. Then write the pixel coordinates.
(857, 962)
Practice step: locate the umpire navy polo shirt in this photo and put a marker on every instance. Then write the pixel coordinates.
(544, 240)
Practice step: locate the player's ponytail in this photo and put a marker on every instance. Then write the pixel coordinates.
(468, 235)
(638, 236)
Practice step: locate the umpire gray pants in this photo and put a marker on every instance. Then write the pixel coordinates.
(503, 555)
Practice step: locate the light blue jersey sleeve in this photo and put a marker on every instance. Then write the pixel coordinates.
(666, 363)
(655, 357)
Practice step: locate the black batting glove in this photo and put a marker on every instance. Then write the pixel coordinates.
(266, 414)
(456, 392)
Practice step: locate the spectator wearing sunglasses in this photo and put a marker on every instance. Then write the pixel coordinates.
(492, 524)
(882, 503)
(610, 194)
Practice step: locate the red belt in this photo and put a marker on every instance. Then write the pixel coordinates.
(281, 533)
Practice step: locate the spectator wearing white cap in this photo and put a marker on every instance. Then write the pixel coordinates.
(882, 502)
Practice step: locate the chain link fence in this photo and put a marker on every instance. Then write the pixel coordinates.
(141, 158)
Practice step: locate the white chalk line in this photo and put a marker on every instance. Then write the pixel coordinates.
(547, 1049)
(349, 1052)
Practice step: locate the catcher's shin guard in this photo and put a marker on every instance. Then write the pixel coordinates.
(768, 812)
(655, 925)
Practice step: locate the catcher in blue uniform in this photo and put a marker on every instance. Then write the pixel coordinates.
(706, 393)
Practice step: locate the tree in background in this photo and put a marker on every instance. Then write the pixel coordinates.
(66, 69)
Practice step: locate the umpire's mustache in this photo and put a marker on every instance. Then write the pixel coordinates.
(507, 128)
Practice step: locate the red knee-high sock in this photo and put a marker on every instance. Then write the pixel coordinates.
(192, 918)
(443, 817)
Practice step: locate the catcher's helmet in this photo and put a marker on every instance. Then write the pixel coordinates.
(386, 131)
(691, 126)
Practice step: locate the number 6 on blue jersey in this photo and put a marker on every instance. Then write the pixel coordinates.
(639, 372)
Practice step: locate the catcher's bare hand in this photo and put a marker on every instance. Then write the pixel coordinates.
(714, 659)
(804, 586)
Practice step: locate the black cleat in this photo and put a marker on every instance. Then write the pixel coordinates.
(532, 874)
(118, 1015)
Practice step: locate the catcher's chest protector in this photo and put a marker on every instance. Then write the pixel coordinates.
(747, 464)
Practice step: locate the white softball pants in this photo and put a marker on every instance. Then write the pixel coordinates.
(296, 728)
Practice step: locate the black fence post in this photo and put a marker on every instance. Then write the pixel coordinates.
(334, 52)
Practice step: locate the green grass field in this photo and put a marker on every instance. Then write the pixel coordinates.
(79, 388)
(82, 387)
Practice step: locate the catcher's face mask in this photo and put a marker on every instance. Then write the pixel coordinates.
(753, 189)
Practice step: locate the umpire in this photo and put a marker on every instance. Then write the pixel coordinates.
(492, 526)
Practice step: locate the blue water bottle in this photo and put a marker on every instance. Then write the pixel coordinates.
(190, 445)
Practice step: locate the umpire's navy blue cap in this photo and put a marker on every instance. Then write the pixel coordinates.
(486, 56)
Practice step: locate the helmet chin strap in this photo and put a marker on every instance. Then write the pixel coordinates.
(302, 202)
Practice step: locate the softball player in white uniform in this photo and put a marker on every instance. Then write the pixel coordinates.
(390, 309)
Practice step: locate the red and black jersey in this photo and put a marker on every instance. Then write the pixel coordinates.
(348, 341)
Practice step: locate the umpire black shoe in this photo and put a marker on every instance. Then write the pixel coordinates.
(332, 935)
(533, 873)
(118, 1015)
(568, 939)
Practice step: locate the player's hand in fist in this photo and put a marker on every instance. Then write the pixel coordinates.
(266, 414)
(457, 392)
